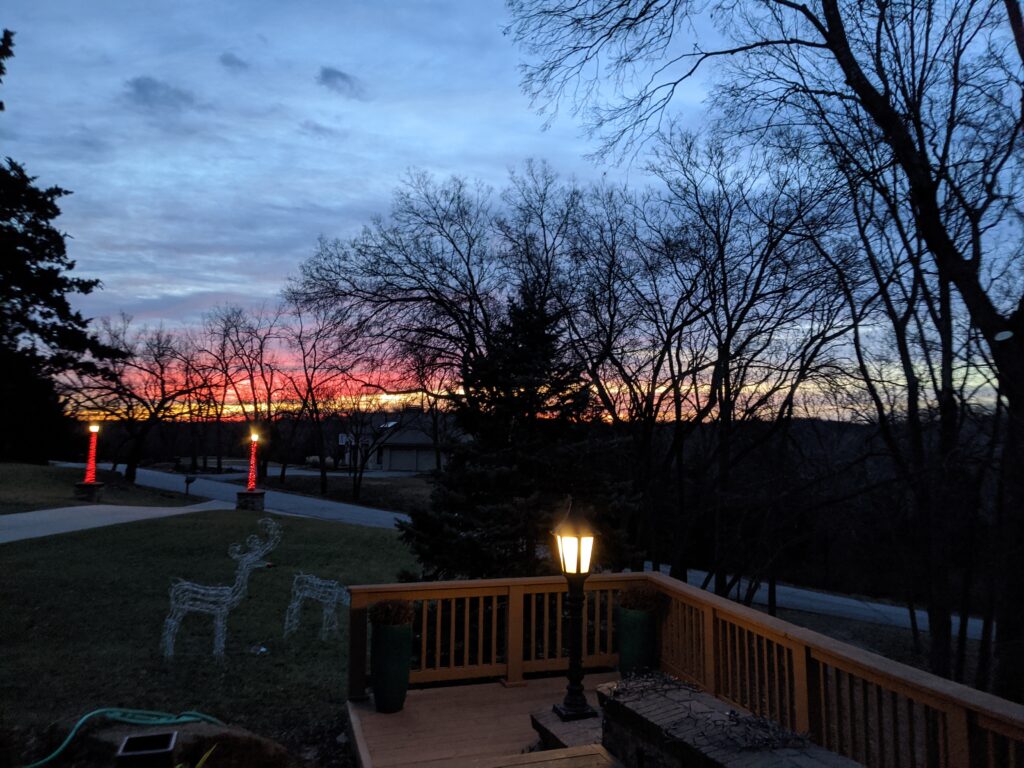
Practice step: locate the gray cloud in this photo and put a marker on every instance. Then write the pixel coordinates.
(150, 93)
(232, 62)
(341, 83)
(313, 128)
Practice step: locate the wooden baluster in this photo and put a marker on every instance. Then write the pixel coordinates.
(897, 742)
(465, 632)
(958, 728)
(545, 604)
(514, 641)
(480, 630)
(761, 654)
(423, 634)
(801, 692)
(558, 624)
(709, 618)
(851, 714)
(531, 654)
(437, 633)
(494, 629)
(611, 619)
(451, 633)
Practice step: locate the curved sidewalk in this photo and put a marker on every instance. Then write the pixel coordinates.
(47, 522)
(274, 501)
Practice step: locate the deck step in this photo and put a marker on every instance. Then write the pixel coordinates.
(587, 756)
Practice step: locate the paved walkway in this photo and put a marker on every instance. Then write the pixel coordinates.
(46, 522)
(274, 501)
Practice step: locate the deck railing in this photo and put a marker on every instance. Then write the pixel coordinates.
(853, 702)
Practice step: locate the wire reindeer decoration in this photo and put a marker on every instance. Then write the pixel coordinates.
(218, 601)
(329, 593)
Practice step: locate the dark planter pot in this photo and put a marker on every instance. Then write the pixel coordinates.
(390, 656)
(635, 632)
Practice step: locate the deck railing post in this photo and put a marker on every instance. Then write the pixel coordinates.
(958, 731)
(710, 652)
(804, 695)
(357, 654)
(514, 640)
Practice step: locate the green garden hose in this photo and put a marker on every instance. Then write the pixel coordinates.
(132, 717)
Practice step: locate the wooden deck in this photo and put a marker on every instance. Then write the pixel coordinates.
(467, 726)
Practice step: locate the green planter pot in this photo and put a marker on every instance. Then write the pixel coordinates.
(635, 632)
(390, 656)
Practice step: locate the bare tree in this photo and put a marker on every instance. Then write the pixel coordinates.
(147, 385)
(325, 345)
(427, 278)
(937, 86)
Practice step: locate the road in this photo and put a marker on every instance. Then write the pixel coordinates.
(842, 606)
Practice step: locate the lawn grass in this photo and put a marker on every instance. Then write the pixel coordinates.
(24, 487)
(83, 614)
(394, 494)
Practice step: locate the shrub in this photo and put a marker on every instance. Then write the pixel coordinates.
(640, 598)
(391, 612)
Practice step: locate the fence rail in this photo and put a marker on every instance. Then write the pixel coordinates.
(853, 702)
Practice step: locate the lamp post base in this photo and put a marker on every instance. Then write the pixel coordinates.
(249, 500)
(91, 492)
(567, 714)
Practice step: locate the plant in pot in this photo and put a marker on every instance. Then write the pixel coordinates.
(390, 653)
(635, 628)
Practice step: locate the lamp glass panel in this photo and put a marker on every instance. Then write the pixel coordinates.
(586, 550)
(567, 550)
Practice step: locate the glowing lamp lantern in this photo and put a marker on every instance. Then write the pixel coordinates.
(255, 439)
(575, 541)
(90, 462)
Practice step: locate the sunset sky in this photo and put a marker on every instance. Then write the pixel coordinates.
(209, 144)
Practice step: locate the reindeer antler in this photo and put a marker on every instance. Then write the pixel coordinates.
(255, 546)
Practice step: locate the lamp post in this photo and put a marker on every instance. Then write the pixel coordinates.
(251, 498)
(575, 543)
(89, 489)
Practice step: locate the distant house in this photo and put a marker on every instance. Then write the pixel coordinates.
(408, 441)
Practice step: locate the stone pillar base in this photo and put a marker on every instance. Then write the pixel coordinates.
(91, 492)
(249, 500)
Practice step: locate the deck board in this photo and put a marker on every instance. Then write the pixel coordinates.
(464, 726)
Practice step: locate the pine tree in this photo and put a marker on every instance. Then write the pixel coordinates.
(493, 504)
(40, 334)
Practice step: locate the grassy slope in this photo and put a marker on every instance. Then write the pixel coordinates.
(25, 487)
(83, 614)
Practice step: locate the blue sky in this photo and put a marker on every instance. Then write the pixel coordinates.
(209, 144)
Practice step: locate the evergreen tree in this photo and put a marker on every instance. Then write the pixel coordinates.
(40, 334)
(493, 503)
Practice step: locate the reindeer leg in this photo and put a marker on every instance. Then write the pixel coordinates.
(291, 617)
(171, 625)
(330, 623)
(220, 631)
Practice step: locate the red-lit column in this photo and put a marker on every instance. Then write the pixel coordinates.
(251, 486)
(251, 498)
(90, 462)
